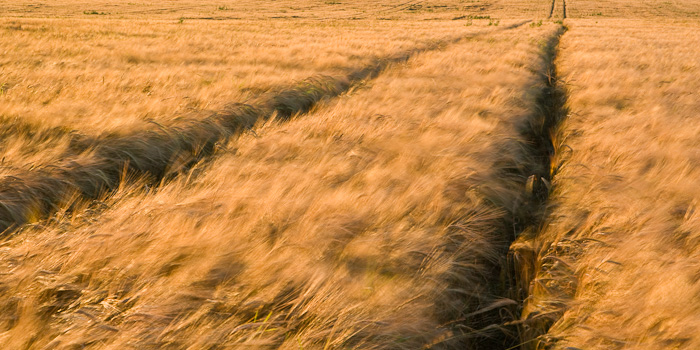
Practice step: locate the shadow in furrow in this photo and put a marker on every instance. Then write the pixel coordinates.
(518, 189)
(100, 165)
(523, 253)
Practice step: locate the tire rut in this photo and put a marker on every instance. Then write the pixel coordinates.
(164, 152)
(551, 9)
(553, 6)
(530, 214)
(563, 6)
(531, 171)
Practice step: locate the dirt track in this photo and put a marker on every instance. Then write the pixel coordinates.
(553, 7)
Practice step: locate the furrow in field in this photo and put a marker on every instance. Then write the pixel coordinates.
(15, 132)
(167, 150)
(563, 8)
(551, 9)
(522, 254)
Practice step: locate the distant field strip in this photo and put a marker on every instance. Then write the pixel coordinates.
(165, 150)
(280, 10)
(381, 220)
(666, 10)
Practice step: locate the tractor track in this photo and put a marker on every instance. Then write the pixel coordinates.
(553, 6)
(523, 254)
(531, 169)
(563, 7)
(163, 152)
(551, 9)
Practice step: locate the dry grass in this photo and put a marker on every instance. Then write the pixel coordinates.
(620, 245)
(363, 225)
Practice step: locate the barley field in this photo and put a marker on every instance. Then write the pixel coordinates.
(297, 174)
